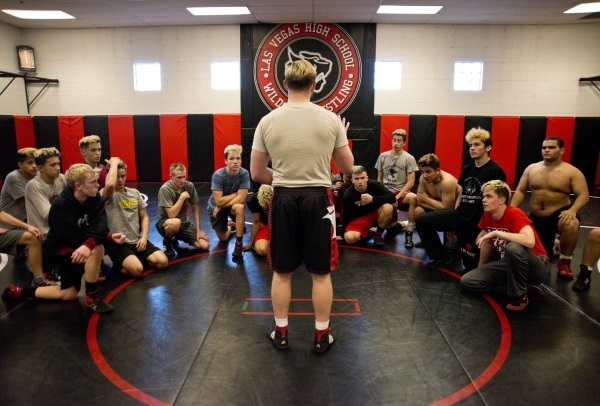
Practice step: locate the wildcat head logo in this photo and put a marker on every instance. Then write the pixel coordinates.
(327, 46)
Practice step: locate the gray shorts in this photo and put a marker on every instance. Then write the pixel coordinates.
(9, 240)
(186, 233)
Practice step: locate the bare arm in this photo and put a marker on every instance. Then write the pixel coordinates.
(521, 190)
(111, 178)
(174, 210)
(379, 176)
(343, 158)
(255, 226)
(258, 167)
(582, 197)
(227, 200)
(459, 197)
(524, 237)
(145, 226)
(11, 221)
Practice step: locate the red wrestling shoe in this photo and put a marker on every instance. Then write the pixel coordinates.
(564, 268)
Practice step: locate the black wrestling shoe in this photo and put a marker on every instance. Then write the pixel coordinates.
(378, 240)
(278, 338)
(96, 303)
(584, 279)
(438, 263)
(408, 241)
(323, 341)
(168, 247)
(237, 251)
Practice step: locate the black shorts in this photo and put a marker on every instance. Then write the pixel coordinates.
(186, 233)
(70, 273)
(220, 222)
(302, 223)
(118, 253)
(547, 228)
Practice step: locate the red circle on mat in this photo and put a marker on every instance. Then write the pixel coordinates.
(451, 399)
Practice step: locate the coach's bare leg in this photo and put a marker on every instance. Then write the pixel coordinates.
(322, 295)
(281, 294)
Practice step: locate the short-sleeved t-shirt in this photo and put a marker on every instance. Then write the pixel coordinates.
(472, 179)
(255, 207)
(395, 170)
(12, 196)
(123, 212)
(309, 131)
(167, 197)
(38, 198)
(222, 182)
(513, 220)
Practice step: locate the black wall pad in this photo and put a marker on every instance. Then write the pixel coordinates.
(586, 147)
(8, 152)
(45, 129)
(146, 130)
(246, 73)
(98, 125)
(532, 132)
(200, 147)
(484, 122)
(421, 135)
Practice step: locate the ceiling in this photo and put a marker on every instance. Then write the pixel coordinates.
(145, 13)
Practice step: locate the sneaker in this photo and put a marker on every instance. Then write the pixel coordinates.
(564, 268)
(323, 342)
(517, 303)
(278, 338)
(584, 278)
(438, 263)
(96, 303)
(168, 247)
(535, 291)
(12, 292)
(378, 240)
(237, 251)
(43, 280)
(408, 241)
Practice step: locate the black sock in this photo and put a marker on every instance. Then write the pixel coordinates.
(28, 292)
(90, 288)
(380, 229)
(239, 239)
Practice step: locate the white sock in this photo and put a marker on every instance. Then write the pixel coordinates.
(411, 227)
(281, 322)
(321, 325)
(570, 257)
(404, 224)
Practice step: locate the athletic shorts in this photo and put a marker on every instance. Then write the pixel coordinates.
(301, 223)
(9, 240)
(220, 222)
(119, 252)
(363, 224)
(70, 273)
(186, 233)
(401, 201)
(547, 227)
(263, 233)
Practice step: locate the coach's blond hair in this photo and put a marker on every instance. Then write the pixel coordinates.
(300, 75)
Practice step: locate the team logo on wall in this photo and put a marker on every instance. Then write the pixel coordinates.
(327, 46)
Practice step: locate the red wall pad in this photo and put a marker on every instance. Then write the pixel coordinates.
(70, 131)
(122, 144)
(227, 130)
(449, 139)
(505, 137)
(563, 127)
(389, 123)
(173, 142)
(25, 133)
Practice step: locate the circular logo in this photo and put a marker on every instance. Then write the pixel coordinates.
(327, 46)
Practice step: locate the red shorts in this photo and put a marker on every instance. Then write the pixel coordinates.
(400, 201)
(363, 224)
(263, 233)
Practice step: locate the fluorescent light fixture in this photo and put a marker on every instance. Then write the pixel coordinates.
(218, 11)
(408, 9)
(584, 8)
(39, 14)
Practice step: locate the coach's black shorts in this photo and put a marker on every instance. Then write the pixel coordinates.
(302, 223)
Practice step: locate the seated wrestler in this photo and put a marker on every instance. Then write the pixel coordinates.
(591, 255)
(368, 203)
(229, 187)
(259, 207)
(438, 190)
(78, 228)
(512, 255)
(126, 212)
(174, 198)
